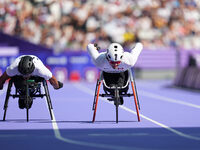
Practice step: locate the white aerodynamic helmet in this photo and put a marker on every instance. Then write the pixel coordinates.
(115, 52)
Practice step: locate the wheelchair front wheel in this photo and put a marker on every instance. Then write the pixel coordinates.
(116, 102)
(27, 114)
(28, 103)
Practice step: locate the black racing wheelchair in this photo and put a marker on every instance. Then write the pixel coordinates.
(116, 92)
(27, 90)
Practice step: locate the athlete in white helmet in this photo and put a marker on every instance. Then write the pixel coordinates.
(115, 62)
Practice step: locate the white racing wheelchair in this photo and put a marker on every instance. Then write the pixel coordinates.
(115, 92)
(27, 90)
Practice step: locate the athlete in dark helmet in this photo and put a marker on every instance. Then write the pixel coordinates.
(27, 66)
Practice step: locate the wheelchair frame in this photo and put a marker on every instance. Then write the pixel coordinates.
(116, 95)
(28, 95)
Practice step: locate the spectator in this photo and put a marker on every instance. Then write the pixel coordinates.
(155, 23)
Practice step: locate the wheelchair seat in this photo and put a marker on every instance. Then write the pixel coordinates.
(116, 80)
(34, 84)
(27, 90)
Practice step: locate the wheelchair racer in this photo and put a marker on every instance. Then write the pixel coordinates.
(27, 66)
(114, 62)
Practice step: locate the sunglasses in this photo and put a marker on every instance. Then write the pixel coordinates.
(114, 62)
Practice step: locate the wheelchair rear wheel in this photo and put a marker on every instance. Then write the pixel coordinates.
(116, 102)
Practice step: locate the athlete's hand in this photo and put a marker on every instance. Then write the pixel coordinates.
(1, 85)
(97, 47)
(60, 85)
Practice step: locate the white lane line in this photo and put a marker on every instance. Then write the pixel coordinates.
(87, 144)
(119, 134)
(162, 125)
(162, 98)
(89, 91)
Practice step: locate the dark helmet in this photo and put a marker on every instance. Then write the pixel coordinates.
(26, 65)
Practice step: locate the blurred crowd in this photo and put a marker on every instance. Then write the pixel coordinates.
(71, 24)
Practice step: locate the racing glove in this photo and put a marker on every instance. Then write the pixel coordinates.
(97, 47)
(60, 85)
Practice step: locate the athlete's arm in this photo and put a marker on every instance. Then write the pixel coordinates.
(134, 54)
(3, 78)
(92, 50)
(56, 84)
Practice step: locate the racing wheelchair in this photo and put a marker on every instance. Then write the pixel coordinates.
(27, 90)
(115, 92)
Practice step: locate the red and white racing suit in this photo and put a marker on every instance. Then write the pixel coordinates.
(128, 59)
